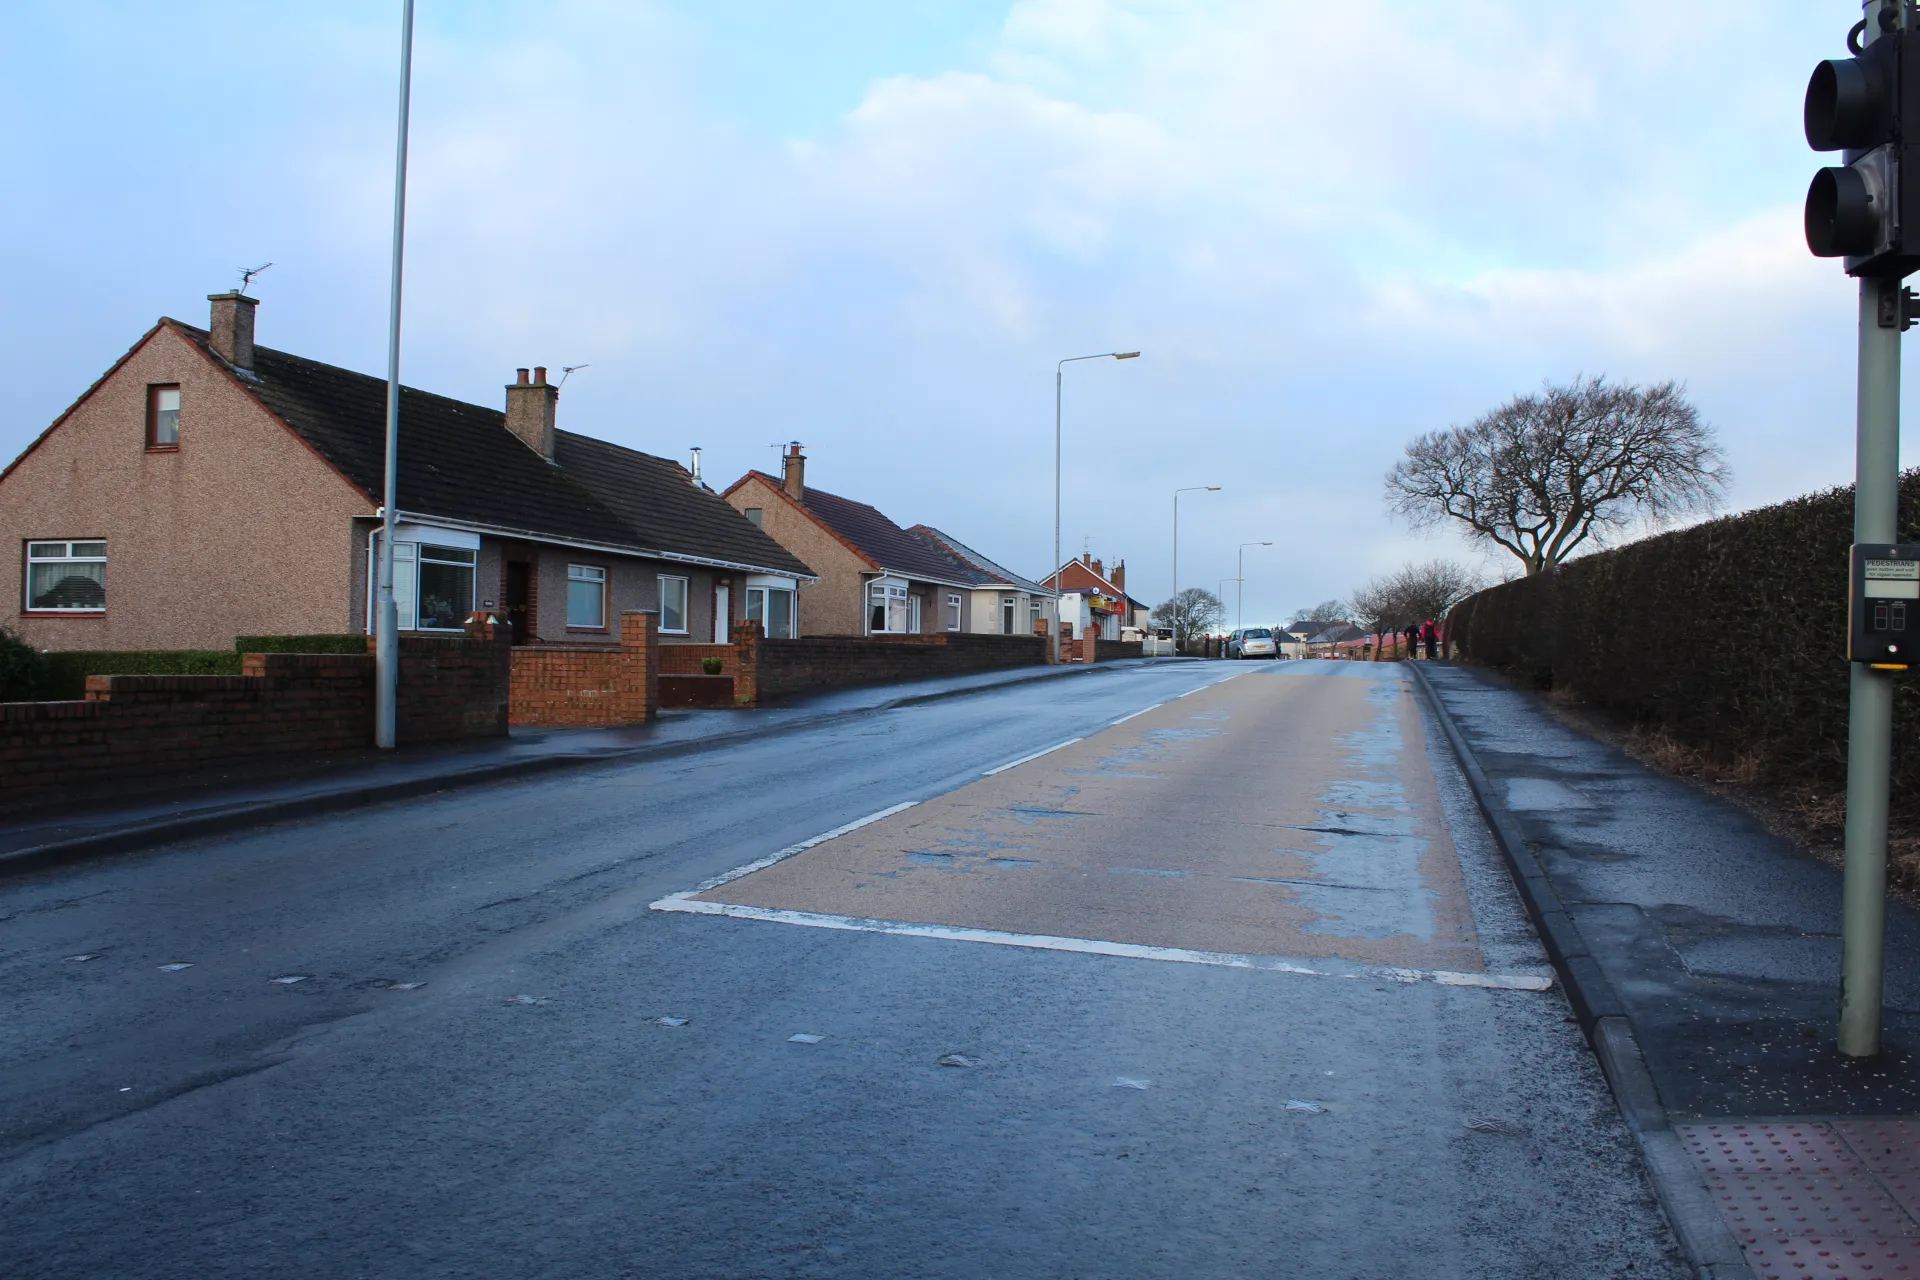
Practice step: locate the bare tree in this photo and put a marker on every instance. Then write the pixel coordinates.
(1412, 594)
(1325, 611)
(1189, 614)
(1544, 473)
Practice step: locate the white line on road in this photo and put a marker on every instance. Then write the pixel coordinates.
(788, 852)
(1142, 711)
(1086, 946)
(1035, 756)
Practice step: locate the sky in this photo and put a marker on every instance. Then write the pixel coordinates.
(873, 226)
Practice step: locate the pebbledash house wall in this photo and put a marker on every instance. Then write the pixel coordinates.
(198, 550)
(836, 604)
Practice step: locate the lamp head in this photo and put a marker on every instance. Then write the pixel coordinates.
(1126, 355)
(1213, 488)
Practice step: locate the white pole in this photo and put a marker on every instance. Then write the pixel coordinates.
(387, 625)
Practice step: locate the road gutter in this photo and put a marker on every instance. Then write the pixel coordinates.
(348, 795)
(1689, 1206)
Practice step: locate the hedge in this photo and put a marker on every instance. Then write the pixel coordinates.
(1730, 636)
(67, 670)
(326, 643)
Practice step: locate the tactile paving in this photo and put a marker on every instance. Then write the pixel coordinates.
(1805, 1198)
(1835, 1258)
(1740, 1147)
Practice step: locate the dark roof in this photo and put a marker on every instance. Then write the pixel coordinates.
(459, 462)
(886, 543)
(993, 573)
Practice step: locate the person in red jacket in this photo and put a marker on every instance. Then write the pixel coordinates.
(1430, 635)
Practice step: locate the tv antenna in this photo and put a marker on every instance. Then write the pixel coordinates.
(248, 273)
(567, 371)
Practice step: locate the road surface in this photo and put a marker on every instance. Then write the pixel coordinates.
(1220, 978)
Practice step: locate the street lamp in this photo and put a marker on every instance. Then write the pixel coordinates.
(386, 622)
(1192, 488)
(1240, 584)
(1058, 576)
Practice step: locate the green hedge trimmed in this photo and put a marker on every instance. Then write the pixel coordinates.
(23, 670)
(300, 644)
(1730, 635)
(67, 671)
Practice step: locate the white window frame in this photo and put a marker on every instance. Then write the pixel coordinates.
(592, 575)
(760, 610)
(897, 605)
(953, 603)
(66, 556)
(406, 570)
(426, 557)
(667, 584)
(1009, 615)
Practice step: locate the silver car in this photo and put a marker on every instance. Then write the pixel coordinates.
(1252, 642)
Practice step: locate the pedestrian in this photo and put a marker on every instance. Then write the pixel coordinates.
(1430, 632)
(1413, 640)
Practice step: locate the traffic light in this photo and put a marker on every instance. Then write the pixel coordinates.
(1868, 108)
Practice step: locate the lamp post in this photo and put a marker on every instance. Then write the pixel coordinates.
(1058, 577)
(1192, 488)
(386, 627)
(1240, 584)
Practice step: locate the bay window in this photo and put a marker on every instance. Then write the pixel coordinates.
(446, 586)
(67, 577)
(773, 609)
(888, 606)
(673, 605)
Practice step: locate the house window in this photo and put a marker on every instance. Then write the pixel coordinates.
(67, 577)
(953, 612)
(163, 417)
(773, 609)
(586, 596)
(446, 586)
(673, 605)
(755, 514)
(1033, 614)
(1008, 616)
(887, 608)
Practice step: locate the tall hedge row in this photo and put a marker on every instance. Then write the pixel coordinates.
(1730, 635)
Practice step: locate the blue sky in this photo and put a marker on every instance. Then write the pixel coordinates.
(873, 227)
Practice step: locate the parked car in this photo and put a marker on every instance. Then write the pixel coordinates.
(1252, 642)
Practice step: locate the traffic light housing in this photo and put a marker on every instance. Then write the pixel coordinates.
(1867, 107)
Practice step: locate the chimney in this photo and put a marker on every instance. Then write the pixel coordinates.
(1120, 577)
(530, 410)
(694, 469)
(793, 472)
(230, 331)
(1099, 570)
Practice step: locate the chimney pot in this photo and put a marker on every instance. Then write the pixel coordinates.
(230, 328)
(531, 411)
(793, 466)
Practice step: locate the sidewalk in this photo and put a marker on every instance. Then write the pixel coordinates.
(301, 788)
(1717, 945)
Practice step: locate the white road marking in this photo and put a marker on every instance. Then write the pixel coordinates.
(790, 850)
(1035, 756)
(1142, 711)
(1086, 946)
(804, 1037)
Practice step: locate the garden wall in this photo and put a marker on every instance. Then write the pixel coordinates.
(777, 668)
(580, 686)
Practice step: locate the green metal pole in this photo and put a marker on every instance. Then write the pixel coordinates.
(1876, 501)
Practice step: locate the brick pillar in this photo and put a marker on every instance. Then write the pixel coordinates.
(639, 696)
(746, 663)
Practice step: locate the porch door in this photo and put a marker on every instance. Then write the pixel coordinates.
(722, 613)
(519, 575)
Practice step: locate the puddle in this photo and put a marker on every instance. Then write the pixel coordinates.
(1543, 794)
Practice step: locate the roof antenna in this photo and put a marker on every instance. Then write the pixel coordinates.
(248, 273)
(567, 371)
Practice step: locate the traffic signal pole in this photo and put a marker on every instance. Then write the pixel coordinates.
(1876, 501)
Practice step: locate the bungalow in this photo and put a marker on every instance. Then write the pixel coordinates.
(874, 578)
(1004, 603)
(206, 487)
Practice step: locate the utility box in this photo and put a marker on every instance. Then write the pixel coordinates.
(1884, 628)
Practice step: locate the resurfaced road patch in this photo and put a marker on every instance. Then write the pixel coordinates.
(1286, 813)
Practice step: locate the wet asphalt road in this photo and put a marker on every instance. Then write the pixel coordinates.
(526, 1111)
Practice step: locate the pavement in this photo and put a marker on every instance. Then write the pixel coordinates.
(1714, 947)
(232, 799)
(1194, 969)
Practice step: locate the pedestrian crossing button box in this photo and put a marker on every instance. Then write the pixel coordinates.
(1884, 629)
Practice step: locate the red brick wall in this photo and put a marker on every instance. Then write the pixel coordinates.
(773, 668)
(684, 659)
(577, 686)
(132, 727)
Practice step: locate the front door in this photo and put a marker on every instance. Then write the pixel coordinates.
(519, 575)
(722, 613)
